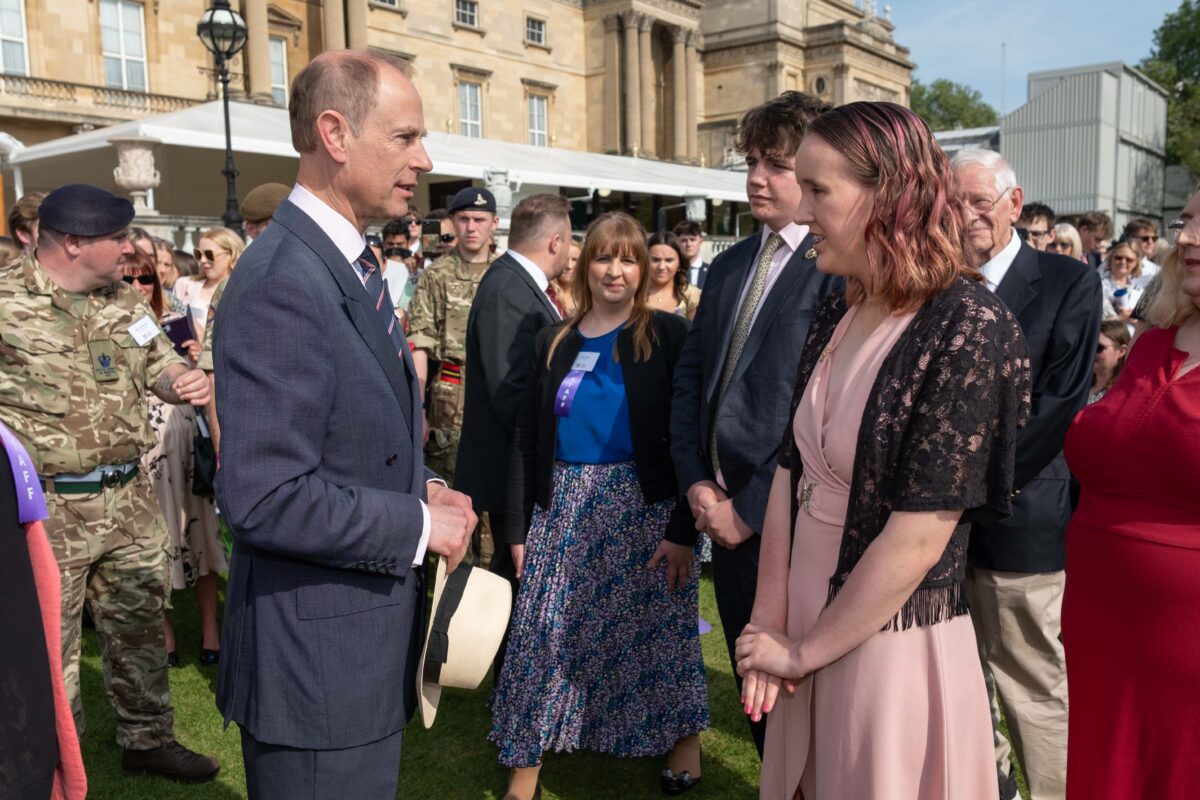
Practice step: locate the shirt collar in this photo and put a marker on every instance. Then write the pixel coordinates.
(533, 269)
(792, 235)
(346, 238)
(997, 267)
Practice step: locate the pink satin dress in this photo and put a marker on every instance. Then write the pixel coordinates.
(905, 714)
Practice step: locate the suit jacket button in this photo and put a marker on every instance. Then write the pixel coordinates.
(391, 459)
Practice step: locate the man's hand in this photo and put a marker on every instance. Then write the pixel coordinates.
(679, 559)
(179, 385)
(518, 557)
(450, 532)
(702, 495)
(442, 495)
(724, 525)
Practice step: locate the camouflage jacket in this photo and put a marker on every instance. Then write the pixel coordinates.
(206, 355)
(438, 312)
(73, 378)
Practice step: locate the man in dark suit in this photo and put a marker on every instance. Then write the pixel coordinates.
(321, 474)
(691, 240)
(516, 299)
(1015, 581)
(733, 384)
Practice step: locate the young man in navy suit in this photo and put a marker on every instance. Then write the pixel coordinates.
(733, 384)
(322, 476)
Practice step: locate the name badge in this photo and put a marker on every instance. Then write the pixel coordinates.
(104, 360)
(144, 330)
(585, 362)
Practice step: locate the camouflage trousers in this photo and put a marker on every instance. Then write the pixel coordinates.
(111, 552)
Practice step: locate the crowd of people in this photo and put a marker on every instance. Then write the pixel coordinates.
(898, 419)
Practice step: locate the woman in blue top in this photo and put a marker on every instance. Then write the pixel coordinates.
(604, 650)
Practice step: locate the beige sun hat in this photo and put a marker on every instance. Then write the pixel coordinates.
(471, 608)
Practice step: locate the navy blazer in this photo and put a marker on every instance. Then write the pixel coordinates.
(1056, 300)
(321, 480)
(508, 311)
(754, 413)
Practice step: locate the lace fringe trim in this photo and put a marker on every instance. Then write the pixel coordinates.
(928, 605)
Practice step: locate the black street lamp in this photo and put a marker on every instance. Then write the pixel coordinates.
(223, 32)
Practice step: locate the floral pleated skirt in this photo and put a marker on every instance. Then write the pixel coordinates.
(601, 656)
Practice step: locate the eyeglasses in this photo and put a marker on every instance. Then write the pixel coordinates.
(144, 280)
(206, 255)
(1056, 245)
(1180, 226)
(982, 205)
(1036, 234)
(1149, 238)
(447, 238)
(409, 221)
(1101, 347)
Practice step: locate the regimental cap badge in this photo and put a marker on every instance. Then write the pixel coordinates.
(479, 201)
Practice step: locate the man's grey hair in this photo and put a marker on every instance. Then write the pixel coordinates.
(990, 160)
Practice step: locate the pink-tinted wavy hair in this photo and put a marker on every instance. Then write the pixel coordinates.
(916, 232)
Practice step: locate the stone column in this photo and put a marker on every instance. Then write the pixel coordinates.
(356, 24)
(334, 25)
(612, 83)
(679, 90)
(646, 67)
(693, 69)
(633, 97)
(258, 56)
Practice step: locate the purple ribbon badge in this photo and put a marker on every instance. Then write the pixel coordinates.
(31, 503)
(564, 398)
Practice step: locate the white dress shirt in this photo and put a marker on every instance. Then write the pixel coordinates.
(997, 267)
(694, 270)
(535, 272)
(350, 243)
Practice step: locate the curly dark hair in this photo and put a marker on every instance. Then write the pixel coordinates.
(776, 127)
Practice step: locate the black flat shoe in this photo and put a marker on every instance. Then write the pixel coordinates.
(673, 784)
(209, 657)
(172, 659)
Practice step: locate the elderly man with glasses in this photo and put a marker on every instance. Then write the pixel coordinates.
(1016, 573)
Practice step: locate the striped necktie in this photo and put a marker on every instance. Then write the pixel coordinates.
(377, 291)
(741, 332)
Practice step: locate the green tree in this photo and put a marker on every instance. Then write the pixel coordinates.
(1174, 64)
(946, 105)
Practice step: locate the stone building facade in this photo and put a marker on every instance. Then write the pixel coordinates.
(662, 79)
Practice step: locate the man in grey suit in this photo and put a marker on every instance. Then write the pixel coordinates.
(321, 476)
(733, 384)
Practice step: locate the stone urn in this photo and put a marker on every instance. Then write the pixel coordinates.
(135, 172)
(497, 182)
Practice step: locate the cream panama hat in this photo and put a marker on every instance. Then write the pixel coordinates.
(470, 614)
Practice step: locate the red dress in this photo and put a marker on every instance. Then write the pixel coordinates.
(1132, 605)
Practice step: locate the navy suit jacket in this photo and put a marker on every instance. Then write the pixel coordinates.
(321, 480)
(1056, 299)
(754, 413)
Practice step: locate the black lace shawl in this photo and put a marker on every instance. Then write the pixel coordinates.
(939, 432)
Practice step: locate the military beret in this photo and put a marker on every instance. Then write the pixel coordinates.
(84, 210)
(262, 200)
(473, 200)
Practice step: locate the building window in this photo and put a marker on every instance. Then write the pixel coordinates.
(12, 37)
(539, 120)
(123, 41)
(535, 30)
(470, 109)
(279, 73)
(466, 12)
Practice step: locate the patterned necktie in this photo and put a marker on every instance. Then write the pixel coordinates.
(377, 291)
(553, 295)
(741, 332)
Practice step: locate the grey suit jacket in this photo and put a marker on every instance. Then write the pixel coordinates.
(751, 420)
(321, 479)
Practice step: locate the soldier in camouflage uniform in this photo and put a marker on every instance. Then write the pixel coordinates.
(78, 350)
(438, 319)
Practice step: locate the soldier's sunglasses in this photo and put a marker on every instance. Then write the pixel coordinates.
(144, 280)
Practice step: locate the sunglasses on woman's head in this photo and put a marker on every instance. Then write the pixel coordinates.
(204, 255)
(144, 280)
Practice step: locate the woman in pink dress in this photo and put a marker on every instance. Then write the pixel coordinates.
(910, 392)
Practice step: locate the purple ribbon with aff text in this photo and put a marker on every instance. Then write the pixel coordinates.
(565, 396)
(31, 503)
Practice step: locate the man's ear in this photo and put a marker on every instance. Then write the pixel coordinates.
(333, 129)
(72, 243)
(555, 245)
(1018, 202)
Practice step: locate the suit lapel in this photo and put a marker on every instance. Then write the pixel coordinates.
(1018, 287)
(362, 313)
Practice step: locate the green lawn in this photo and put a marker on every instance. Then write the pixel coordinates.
(453, 760)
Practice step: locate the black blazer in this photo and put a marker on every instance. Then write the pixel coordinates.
(1056, 300)
(648, 392)
(508, 311)
(702, 275)
(752, 418)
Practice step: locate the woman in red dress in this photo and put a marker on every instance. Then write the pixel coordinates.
(1133, 558)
